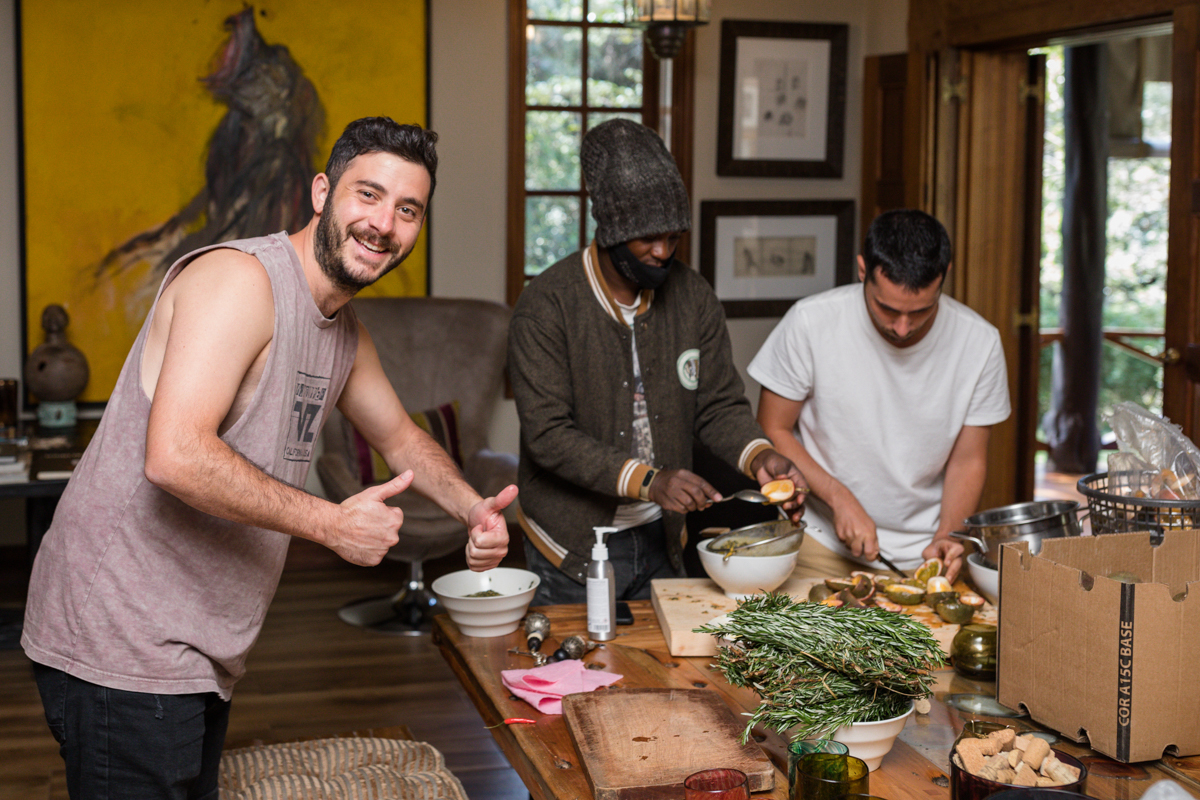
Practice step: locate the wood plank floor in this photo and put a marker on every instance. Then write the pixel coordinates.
(309, 675)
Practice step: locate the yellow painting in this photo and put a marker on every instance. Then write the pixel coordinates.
(151, 127)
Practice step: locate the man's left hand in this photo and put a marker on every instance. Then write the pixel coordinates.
(488, 533)
(949, 551)
(770, 465)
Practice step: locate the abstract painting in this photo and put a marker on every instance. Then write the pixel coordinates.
(150, 129)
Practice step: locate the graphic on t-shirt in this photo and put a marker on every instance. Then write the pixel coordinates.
(308, 409)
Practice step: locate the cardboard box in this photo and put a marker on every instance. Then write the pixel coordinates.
(1117, 664)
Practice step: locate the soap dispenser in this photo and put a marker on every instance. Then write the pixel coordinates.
(601, 591)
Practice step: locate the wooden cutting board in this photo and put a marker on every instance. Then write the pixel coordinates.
(683, 604)
(640, 744)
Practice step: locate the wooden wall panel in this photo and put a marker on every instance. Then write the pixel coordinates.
(990, 243)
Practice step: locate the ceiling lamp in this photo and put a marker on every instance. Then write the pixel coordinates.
(666, 22)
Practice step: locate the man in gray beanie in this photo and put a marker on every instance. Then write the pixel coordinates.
(619, 358)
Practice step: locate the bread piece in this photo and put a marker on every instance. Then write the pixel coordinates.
(1026, 776)
(972, 760)
(1036, 751)
(1004, 737)
(1058, 771)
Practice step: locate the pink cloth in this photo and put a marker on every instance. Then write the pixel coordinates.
(544, 687)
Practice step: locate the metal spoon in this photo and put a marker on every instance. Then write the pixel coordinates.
(748, 545)
(749, 495)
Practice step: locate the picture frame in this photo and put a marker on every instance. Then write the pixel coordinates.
(150, 124)
(798, 130)
(761, 256)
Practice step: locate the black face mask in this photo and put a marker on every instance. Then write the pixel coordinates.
(643, 276)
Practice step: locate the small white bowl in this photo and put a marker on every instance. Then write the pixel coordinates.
(487, 616)
(742, 576)
(871, 741)
(986, 579)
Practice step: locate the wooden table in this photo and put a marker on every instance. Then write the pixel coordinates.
(545, 758)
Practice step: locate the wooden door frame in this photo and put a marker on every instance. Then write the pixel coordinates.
(940, 31)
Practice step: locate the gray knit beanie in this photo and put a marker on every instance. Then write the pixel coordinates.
(635, 187)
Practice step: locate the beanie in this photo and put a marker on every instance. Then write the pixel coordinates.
(635, 187)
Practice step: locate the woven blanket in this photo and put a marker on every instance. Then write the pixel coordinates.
(338, 769)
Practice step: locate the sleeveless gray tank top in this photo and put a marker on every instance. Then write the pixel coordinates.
(132, 588)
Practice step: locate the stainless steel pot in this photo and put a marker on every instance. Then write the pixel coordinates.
(1021, 522)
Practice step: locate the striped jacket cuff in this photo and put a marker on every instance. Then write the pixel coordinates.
(751, 452)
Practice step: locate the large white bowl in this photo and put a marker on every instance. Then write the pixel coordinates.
(487, 616)
(986, 579)
(742, 576)
(871, 741)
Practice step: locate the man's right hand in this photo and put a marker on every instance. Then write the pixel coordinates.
(681, 491)
(370, 526)
(854, 527)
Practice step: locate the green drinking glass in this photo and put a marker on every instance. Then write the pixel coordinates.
(802, 747)
(828, 776)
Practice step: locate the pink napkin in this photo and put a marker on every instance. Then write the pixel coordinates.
(544, 687)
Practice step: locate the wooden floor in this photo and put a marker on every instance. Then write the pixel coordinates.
(309, 675)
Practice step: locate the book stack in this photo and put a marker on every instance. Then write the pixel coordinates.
(14, 467)
(54, 465)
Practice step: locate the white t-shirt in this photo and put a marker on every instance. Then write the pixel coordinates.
(883, 419)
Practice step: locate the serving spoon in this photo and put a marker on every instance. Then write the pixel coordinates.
(748, 545)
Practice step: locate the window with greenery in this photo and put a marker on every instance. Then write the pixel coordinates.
(1136, 255)
(575, 65)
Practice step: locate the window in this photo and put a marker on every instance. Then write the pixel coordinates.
(573, 65)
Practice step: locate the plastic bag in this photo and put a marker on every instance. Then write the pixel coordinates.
(1155, 460)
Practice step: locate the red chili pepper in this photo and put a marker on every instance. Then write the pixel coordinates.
(511, 721)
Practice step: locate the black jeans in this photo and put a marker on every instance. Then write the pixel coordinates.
(121, 745)
(638, 555)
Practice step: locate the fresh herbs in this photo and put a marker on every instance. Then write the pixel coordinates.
(817, 668)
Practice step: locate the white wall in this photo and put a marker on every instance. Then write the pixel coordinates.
(876, 27)
(469, 101)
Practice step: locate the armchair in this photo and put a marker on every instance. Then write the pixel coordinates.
(445, 359)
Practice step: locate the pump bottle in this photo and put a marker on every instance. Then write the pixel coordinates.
(601, 591)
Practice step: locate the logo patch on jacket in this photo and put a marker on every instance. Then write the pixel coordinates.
(688, 367)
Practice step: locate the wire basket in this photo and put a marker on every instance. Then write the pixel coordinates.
(1114, 508)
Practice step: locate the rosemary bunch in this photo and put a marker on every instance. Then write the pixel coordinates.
(817, 668)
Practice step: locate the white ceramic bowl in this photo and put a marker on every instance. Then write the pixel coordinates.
(487, 616)
(871, 741)
(986, 579)
(742, 576)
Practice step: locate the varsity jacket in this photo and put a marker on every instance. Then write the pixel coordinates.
(570, 361)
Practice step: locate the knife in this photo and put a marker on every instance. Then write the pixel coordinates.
(883, 560)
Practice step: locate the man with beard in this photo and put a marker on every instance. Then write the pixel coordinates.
(619, 357)
(884, 392)
(152, 583)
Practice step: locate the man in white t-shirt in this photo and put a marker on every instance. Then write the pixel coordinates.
(883, 393)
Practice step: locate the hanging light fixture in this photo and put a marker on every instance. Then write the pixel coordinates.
(666, 22)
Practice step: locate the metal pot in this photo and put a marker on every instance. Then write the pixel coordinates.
(1021, 522)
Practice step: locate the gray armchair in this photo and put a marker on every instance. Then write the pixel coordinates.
(437, 353)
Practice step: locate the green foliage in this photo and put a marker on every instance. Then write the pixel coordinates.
(817, 668)
(1136, 252)
(555, 77)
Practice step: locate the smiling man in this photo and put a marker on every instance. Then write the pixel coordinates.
(619, 358)
(883, 393)
(152, 583)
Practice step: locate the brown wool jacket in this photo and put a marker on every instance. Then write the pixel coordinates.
(571, 365)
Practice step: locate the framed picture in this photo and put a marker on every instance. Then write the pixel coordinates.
(763, 255)
(209, 129)
(783, 99)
